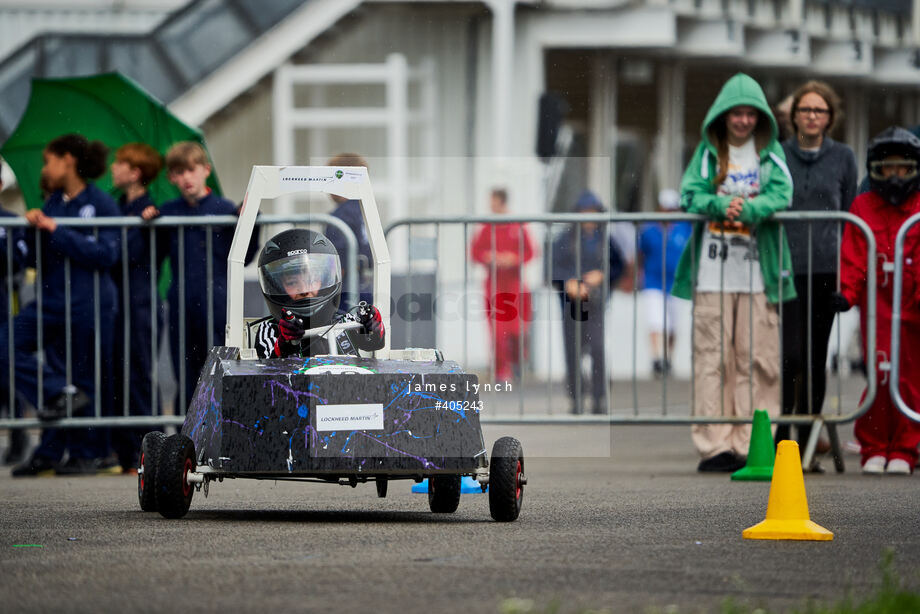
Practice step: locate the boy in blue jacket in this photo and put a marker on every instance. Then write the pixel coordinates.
(135, 167)
(188, 169)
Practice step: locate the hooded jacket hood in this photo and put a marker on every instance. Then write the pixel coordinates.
(588, 200)
(741, 90)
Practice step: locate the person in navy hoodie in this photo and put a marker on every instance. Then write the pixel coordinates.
(70, 163)
(349, 211)
(188, 169)
(13, 252)
(586, 264)
(135, 167)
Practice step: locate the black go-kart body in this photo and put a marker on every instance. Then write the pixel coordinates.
(338, 419)
(334, 417)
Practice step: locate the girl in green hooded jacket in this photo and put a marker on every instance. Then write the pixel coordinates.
(736, 268)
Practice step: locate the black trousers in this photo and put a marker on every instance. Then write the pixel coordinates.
(583, 331)
(796, 393)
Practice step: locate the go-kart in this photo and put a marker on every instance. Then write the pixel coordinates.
(335, 419)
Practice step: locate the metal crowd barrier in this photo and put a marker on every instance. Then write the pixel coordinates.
(542, 393)
(638, 415)
(895, 358)
(124, 223)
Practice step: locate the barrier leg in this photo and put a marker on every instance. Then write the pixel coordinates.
(836, 452)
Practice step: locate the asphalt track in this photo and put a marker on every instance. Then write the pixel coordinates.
(631, 530)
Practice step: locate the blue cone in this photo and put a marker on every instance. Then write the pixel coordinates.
(468, 486)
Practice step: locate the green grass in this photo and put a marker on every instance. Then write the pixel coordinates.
(891, 597)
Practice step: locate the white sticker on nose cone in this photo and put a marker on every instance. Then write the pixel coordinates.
(352, 417)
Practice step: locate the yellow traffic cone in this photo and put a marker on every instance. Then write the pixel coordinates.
(787, 508)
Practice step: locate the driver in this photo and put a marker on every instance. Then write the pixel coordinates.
(301, 279)
(888, 439)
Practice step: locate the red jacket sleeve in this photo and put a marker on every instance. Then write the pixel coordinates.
(853, 265)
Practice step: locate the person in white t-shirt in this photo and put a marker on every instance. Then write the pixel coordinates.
(736, 269)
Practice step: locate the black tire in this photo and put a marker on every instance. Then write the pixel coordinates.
(506, 479)
(381, 483)
(176, 461)
(147, 470)
(444, 493)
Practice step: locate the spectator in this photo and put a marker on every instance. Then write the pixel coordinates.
(660, 247)
(503, 249)
(824, 179)
(864, 184)
(135, 167)
(70, 163)
(580, 257)
(738, 179)
(189, 168)
(14, 240)
(349, 211)
(888, 439)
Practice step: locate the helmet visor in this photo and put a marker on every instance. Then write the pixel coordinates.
(300, 276)
(901, 168)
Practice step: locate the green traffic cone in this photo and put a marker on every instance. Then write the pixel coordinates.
(759, 467)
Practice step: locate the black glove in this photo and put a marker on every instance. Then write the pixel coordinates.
(839, 302)
(370, 317)
(290, 327)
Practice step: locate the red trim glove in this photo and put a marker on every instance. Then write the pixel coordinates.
(370, 317)
(290, 327)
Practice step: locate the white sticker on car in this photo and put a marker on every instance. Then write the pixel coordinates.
(351, 417)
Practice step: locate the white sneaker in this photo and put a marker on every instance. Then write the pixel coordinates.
(875, 464)
(898, 466)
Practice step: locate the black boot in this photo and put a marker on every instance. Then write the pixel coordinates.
(35, 466)
(19, 444)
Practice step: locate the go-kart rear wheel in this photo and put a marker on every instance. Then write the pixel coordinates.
(176, 461)
(506, 479)
(147, 470)
(444, 493)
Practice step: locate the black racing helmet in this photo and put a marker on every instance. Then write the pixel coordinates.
(893, 141)
(299, 270)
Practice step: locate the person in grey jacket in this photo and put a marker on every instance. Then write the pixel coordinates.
(824, 177)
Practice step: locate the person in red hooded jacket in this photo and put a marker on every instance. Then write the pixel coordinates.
(888, 438)
(503, 249)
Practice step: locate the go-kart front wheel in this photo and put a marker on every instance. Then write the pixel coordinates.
(147, 470)
(444, 493)
(176, 461)
(506, 479)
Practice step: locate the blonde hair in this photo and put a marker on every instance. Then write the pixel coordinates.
(185, 155)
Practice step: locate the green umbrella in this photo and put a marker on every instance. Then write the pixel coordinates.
(110, 108)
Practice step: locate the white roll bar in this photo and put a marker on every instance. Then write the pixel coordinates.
(269, 182)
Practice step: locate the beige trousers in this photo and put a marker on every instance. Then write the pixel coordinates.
(736, 380)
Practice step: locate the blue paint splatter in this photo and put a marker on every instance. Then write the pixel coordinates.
(303, 411)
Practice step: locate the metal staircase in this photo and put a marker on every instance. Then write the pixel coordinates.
(187, 46)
